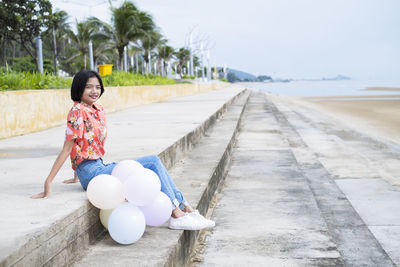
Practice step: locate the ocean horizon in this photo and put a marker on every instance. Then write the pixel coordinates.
(325, 88)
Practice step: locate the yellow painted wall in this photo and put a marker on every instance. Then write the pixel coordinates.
(24, 112)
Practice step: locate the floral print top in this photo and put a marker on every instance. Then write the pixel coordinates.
(86, 125)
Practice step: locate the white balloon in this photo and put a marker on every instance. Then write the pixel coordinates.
(126, 224)
(105, 192)
(126, 168)
(142, 188)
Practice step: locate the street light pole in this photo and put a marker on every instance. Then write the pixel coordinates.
(39, 53)
(208, 66)
(191, 55)
(91, 55)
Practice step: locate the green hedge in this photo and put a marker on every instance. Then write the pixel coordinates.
(121, 78)
(12, 80)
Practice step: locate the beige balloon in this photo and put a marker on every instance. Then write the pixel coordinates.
(104, 215)
(105, 192)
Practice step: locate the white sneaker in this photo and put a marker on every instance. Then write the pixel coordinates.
(185, 222)
(206, 222)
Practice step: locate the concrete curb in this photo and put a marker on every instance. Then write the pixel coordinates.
(82, 227)
(183, 249)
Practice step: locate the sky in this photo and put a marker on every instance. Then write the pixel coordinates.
(296, 39)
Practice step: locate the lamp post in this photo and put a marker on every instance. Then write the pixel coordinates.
(39, 53)
(208, 66)
(191, 55)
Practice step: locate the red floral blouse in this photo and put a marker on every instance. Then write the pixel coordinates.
(86, 125)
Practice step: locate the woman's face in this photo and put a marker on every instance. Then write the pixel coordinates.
(92, 91)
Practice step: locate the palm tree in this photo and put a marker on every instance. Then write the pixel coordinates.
(86, 31)
(128, 24)
(149, 42)
(183, 55)
(59, 28)
(134, 51)
(165, 53)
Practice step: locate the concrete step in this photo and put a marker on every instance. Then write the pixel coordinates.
(197, 175)
(347, 223)
(267, 213)
(354, 178)
(52, 232)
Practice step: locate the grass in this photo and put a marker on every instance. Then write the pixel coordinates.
(11, 80)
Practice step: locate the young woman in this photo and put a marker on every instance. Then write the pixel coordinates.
(85, 137)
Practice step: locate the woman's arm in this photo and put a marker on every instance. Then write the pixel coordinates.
(56, 167)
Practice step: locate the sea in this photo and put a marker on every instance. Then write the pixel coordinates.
(326, 88)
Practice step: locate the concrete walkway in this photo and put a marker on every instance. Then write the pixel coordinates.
(33, 231)
(283, 203)
(302, 189)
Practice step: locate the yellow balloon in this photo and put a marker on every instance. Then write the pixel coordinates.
(104, 215)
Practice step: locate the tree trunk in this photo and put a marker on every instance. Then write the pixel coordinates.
(13, 53)
(84, 61)
(120, 57)
(5, 52)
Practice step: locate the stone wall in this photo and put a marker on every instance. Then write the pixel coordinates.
(29, 111)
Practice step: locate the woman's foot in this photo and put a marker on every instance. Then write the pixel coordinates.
(185, 222)
(204, 221)
(188, 209)
(177, 212)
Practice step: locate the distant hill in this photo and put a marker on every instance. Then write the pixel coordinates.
(337, 78)
(241, 75)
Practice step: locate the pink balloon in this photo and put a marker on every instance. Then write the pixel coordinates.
(126, 168)
(158, 211)
(141, 188)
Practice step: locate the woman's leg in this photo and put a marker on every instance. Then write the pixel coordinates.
(167, 185)
(89, 169)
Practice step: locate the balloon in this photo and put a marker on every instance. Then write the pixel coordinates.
(158, 211)
(105, 192)
(104, 216)
(142, 188)
(125, 168)
(126, 224)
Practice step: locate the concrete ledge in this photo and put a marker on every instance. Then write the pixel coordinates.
(24, 112)
(66, 237)
(186, 244)
(197, 175)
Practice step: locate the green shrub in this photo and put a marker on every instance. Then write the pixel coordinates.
(12, 80)
(189, 77)
(120, 78)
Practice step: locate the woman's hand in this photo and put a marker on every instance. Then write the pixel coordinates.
(70, 181)
(46, 193)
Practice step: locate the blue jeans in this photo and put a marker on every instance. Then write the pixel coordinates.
(89, 169)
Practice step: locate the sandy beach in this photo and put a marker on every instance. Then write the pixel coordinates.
(377, 115)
